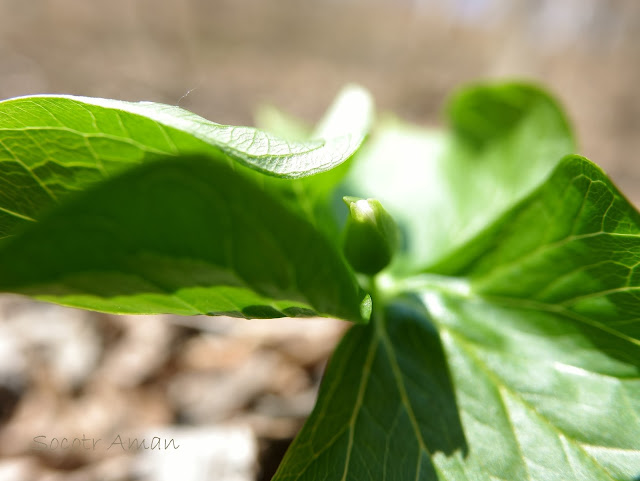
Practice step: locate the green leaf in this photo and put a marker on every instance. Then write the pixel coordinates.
(385, 407)
(186, 236)
(312, 195)
(541, 334)
(51, 146)
(572, 247)
(60, 162)
(443, 188)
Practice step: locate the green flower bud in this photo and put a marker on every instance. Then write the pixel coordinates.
(370, 236)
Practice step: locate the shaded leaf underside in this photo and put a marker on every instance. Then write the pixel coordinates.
(187, 236)
(94, 214)
(51, 146)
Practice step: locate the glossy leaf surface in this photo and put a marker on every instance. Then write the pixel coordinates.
(445, 187)
(538, 376)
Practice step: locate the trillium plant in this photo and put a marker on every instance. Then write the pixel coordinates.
(490, 274)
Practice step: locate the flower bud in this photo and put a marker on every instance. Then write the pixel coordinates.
(370, 236)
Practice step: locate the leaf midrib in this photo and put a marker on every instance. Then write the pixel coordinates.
(383, 338)
(366, 374)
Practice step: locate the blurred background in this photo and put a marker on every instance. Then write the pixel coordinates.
(233, 393)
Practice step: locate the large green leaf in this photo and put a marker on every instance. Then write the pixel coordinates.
(231, 241)
(573, 248)
(541, 337)
(51, 146)
(385, 408)
(443, 188)
(186, 236)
